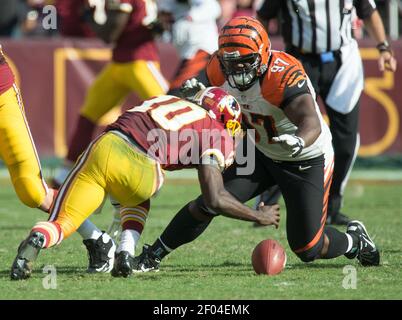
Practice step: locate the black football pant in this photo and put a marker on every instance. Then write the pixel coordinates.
(344, 129)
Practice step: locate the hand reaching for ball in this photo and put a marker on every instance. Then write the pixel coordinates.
(268, 215)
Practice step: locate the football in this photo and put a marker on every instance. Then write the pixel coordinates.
(268, 257)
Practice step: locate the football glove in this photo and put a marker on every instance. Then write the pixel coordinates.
(190, 87)
(290, 142)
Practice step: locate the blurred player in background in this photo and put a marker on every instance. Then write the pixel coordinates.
(293, 150)
(17, 148)
(191, 24)
(134, 67)
(70, 14)
(127, 164)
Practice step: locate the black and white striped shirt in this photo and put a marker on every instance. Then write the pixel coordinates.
(316, 26)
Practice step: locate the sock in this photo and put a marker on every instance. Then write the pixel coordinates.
(52, 232)
(134, 218)
(88, 230)
(159, 249)
(338, 243)
(129, 239)
(353, 242)
(81, 138)
(182, 229)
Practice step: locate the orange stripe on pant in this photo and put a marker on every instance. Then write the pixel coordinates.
(318, 235)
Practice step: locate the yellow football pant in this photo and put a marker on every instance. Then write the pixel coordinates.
(110, 165)
(17, 150)
(117, 80)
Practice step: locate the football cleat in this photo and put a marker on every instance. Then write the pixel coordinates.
(367, 252)
(28, 251)
(146, 261)
(100, 253)
(123, 264)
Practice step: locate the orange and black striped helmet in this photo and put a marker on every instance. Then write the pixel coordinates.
(244, 49)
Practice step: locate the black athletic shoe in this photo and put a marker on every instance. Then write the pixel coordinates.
(100, 253)
(338, 219)
(123, 264)
(367, 253)
(27, 253)
(146, 261)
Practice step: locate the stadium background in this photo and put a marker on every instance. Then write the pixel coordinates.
(62, 70)
(54, 73)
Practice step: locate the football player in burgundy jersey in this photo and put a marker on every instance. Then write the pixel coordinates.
(127, 162)
(293, 150)
(126, 24)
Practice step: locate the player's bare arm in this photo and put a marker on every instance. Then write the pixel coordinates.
(221, 201)
(301, 111)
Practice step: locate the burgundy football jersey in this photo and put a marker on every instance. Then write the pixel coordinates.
(177, 133)
(136, 41)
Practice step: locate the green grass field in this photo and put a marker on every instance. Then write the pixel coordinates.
(217, 265)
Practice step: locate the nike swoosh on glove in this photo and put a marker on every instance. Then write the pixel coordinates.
(290, 142)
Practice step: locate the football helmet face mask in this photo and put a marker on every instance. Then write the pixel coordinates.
(222, 107)
(241, 72)
(244, 50)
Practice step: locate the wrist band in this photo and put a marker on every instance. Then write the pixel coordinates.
(384, 47)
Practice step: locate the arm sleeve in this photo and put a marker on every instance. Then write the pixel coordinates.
(269, 9)
(365, 8)
(211, 160)
(213, 157)
(220, 151)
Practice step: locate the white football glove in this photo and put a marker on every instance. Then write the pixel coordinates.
(290, 142)
(190, 87)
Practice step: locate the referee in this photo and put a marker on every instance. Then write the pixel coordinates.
(319, 34)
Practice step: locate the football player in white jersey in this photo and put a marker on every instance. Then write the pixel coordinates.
(293, 150)
(192, 27)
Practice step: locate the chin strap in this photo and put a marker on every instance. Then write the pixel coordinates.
(233, 127)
